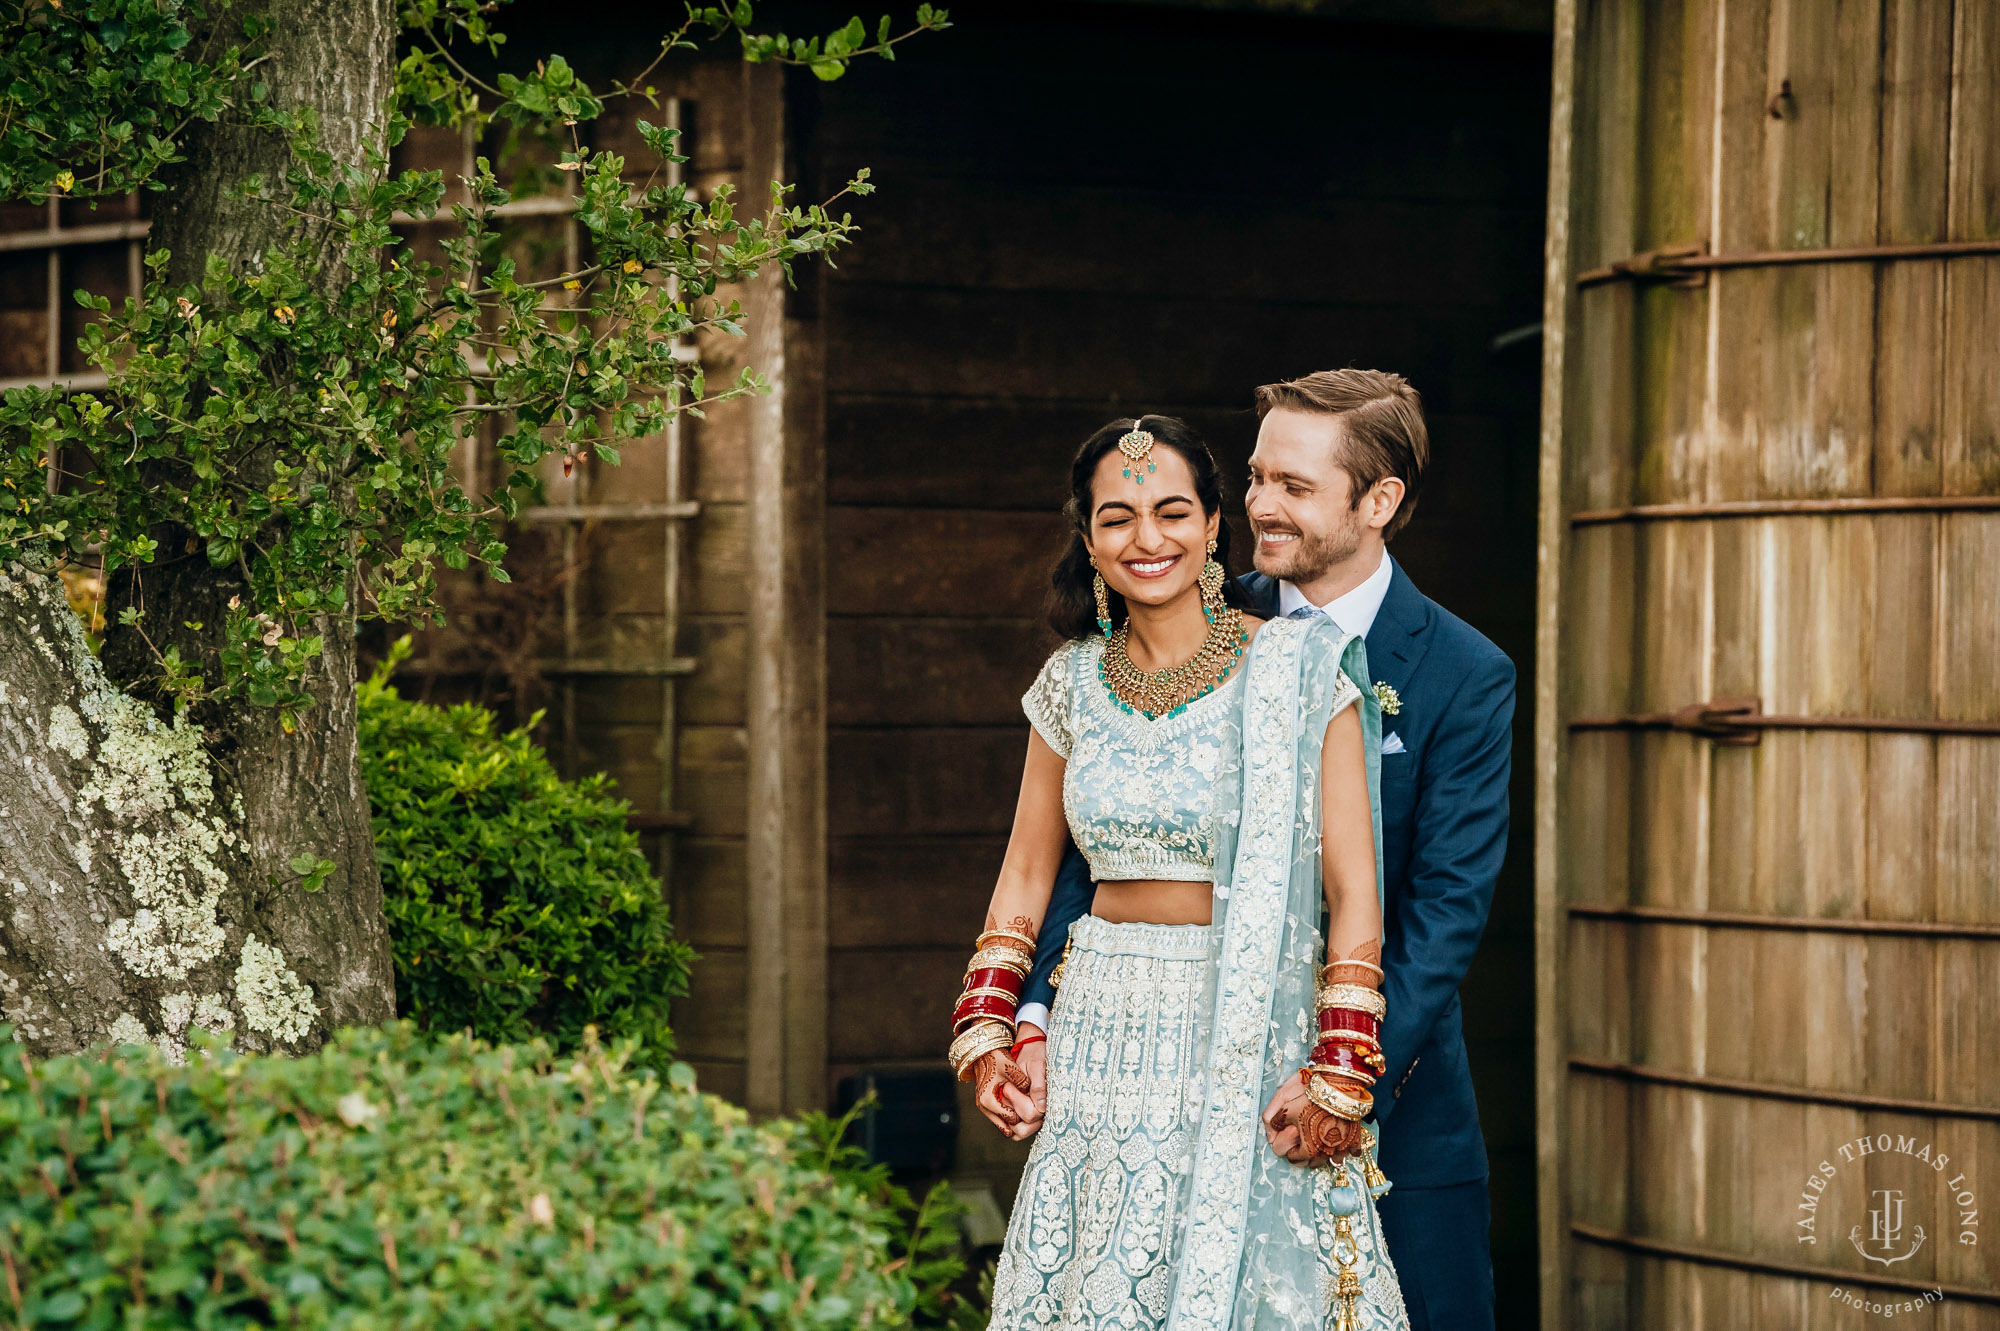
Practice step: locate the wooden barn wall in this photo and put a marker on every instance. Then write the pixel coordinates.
(1150, 213)
(1700, 1071)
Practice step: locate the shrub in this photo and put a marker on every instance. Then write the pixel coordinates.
(929, 1239)
(400, 1180)
(519, 904)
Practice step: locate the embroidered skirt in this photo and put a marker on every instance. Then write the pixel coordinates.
(1094, 1238)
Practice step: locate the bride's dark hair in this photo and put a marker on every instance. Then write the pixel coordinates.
(1072, 605)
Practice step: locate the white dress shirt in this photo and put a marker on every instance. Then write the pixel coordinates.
(1353, 611)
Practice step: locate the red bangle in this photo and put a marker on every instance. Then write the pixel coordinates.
(995, 979)
(985, 1005)
(1024, 1042)
(1348, 1019)
(1366, 1050)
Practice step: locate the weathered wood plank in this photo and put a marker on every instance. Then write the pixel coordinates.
(785, 656)
(709, 780)
(886, 671)
(708, 1020)
(1975, 108)
(1970, 446)
(719, 565)
(707, 892)
(952, 342)
(990, 235)
(914, 782)
(915, 562)
(890, 892)
(893, 1003)
(714, 694)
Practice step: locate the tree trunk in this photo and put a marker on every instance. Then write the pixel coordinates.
(165, 897)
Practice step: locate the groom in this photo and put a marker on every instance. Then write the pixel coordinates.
(1339, 459)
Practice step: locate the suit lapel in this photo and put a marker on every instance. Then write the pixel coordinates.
(1263, 593)
(1398, 638)
(1400, 635)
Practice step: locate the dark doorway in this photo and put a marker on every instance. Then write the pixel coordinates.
(1090, 210)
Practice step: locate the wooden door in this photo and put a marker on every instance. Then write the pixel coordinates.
(1768, 720)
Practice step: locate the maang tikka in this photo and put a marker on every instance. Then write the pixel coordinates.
(1137, 446)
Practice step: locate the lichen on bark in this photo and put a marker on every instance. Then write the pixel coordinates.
(127, 870)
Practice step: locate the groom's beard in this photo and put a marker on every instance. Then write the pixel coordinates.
(1311, 555)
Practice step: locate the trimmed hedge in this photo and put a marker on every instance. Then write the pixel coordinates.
(394, 1180)
(519, 904)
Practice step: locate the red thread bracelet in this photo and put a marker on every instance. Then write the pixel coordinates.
(1023, 1043)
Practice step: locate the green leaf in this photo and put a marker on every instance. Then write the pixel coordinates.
(63, 1307)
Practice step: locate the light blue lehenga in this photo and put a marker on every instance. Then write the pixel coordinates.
(1151, 1201)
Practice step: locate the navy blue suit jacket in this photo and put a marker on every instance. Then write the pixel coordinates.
(1444, 834)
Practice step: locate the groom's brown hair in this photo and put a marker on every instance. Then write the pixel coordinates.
(1382, 428)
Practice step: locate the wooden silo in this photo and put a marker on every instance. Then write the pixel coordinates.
(1768, 722)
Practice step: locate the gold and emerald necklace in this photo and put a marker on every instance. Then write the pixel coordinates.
(1163, 694)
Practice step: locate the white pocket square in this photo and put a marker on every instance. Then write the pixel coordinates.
(1392, 743)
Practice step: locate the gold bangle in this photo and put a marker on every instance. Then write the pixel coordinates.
(1335, 1103)
(1369, 1049)
(995, 959)
(975, 1043)
(1369, 964)
(979, 1038)
(962, 1023)
(1025, 940)
(1352, 1074)
(1356, 996)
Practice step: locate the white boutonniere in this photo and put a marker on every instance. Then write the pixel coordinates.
(1387, 698)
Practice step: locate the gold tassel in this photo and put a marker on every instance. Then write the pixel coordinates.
(1347, 1287)
(1371, 1171)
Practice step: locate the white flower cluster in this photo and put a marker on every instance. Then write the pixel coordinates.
(273, 999)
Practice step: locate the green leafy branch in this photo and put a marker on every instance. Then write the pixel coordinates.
(297, 434)
(828, 56)
(94, 95)
(438, 87)
(304, 440)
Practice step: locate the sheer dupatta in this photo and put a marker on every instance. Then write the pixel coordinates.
(1251, 1253)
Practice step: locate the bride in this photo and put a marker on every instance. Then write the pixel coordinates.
(1219, 774)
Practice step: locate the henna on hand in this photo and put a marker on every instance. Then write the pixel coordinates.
(1362, 966)
(1329, 1135)
(1020, 923)
(989, 1072)
(1369, 952)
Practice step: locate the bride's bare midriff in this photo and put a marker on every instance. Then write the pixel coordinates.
(1150, 902)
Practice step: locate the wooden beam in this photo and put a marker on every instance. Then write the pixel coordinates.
(785, 983)
(1551, 1075)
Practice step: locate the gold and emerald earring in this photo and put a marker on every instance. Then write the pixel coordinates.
(1211, 586)
(1103, 600)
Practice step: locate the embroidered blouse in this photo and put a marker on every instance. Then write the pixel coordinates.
(1141, 797)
